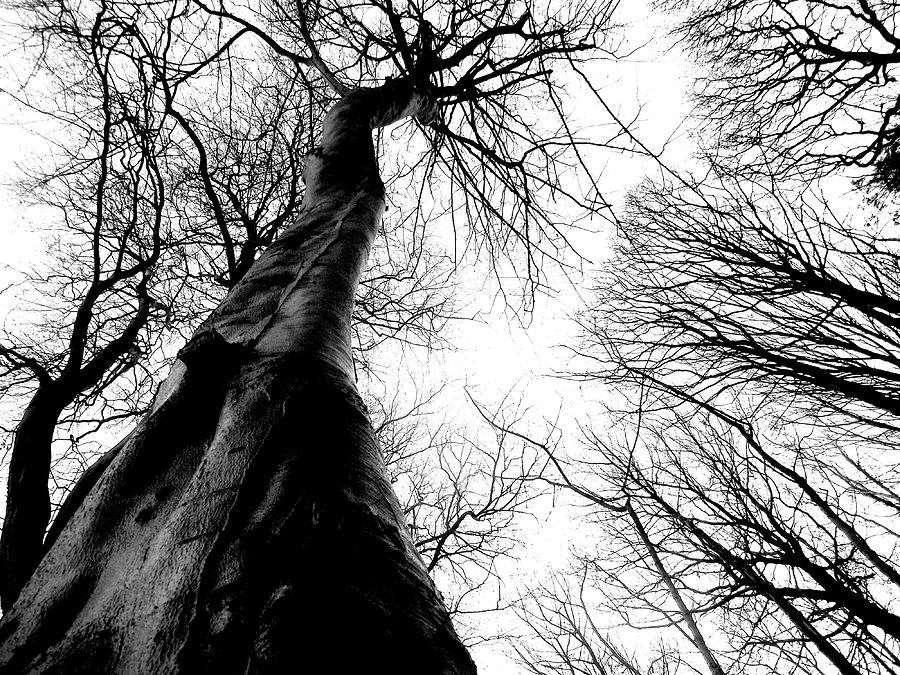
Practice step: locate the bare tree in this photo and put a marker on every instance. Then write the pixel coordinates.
(113, 197)
(748, 327)
(798, 86)
(224, 178)
(251, 504)
(464, 491)
(756, 335)
(565, 638)
(572, 623)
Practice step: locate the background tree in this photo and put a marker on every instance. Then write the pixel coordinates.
(562, 616)
(99, 312)
(798, 87)
(464, 489)
(747, 324)
(746, 498)
(765, 417)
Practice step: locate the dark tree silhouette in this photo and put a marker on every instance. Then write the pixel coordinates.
(756, 334)
(749, 326)
(192, 193)
(565, 637)
(804, 86)
(248, 522)
(114, 199)
(745, 488)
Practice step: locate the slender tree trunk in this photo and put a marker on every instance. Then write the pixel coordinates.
(686, 615)
(27, 495)
(247, 524)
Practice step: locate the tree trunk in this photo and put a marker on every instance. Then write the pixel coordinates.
(247, 524)
(28, 494)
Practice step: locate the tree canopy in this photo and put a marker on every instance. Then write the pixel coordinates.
(726, 448)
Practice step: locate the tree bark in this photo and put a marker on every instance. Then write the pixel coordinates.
(248, 524)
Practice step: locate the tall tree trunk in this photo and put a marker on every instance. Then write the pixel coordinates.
(247, 524)
(28, 494)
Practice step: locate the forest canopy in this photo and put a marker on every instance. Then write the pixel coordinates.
(552, 337)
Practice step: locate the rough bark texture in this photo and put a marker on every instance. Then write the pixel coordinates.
(247, 524)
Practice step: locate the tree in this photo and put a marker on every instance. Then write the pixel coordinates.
(464, 491)
(748, 326)
(627, 579)
(568, 639)
(114, 200)
(757, 335)
(213, 197)
(798, 87)
(251, 505)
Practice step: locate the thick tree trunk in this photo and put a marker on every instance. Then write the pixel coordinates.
(247, 524)
(28, 495)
